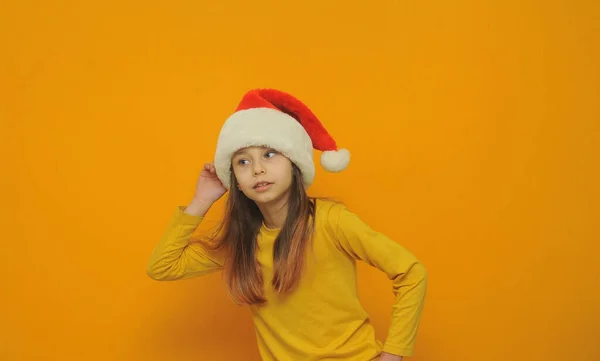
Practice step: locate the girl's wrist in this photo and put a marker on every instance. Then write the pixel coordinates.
(198, 207)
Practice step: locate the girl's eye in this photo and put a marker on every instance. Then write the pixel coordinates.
(270, 154)
(241, 161)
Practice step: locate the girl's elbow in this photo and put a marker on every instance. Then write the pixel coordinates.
(155, 272)
(420, 272)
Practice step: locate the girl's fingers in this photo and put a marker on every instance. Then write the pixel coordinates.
(210, 167)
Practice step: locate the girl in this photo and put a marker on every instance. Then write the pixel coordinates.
(289, 257)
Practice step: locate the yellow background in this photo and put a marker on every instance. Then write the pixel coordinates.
(473, 127)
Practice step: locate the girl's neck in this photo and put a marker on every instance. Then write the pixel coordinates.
(274, 213)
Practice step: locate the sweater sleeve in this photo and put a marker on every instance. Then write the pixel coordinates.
(408, 276)
(175, 258)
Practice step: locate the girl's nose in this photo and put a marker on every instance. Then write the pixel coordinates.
(258, 169)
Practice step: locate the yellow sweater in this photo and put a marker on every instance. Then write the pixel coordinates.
(323, 318)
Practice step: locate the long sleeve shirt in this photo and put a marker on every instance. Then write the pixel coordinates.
(322, 319)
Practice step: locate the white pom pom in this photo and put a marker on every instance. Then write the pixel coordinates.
(335, 160)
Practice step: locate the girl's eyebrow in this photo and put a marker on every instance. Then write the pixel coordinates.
(244, 151)
(241, 151)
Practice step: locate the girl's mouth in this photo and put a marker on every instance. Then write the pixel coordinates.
(262, 186)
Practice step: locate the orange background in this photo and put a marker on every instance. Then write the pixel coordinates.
(474, 132)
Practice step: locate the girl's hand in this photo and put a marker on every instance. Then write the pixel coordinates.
(389, 357)
(209, 188)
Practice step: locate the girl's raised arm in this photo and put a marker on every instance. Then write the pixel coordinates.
(175, 257)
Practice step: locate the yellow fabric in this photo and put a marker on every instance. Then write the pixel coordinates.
(323, 318)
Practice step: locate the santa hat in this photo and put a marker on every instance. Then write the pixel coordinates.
(274, 119)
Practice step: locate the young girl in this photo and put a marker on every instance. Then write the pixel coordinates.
(289, 257)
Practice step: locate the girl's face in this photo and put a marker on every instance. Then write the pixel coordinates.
(263, 174)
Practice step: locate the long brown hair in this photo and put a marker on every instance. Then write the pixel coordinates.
(237, 234)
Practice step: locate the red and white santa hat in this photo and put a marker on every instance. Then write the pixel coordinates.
(274, 119)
